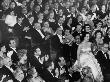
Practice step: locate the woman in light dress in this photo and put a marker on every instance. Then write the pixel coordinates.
(85, 58)
(33, 76)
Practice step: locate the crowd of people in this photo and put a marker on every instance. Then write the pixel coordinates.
(54, 40)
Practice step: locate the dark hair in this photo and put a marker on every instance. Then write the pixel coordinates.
(98, 31)
(48, 64)
(2, 44)
(86, 25)
(13, 2)
(84, 35)
(34, 48)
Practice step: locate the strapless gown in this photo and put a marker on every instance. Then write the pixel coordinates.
(88, 59)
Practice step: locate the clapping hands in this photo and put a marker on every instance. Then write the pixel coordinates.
(46, 57)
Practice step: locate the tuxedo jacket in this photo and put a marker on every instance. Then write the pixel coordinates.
(14, 56)
(48, 77)
(55, 42)
(102, 59)
(35, 62)
(74, 53)
(36, 37)
(7, 72)
(63, 76)
(4, 31)
(18, 30)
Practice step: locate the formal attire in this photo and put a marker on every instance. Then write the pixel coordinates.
(8, 72)
(34, 61)
(56, 43)
(49, 77)
(88, 59)
(102, 59)
(12, 53)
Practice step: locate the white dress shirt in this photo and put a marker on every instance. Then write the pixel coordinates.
(41, 33)
(60, 37)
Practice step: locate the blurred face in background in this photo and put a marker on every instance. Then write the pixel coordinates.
(87, 37)
(60, 12)
(99, 24)
(67, 4)
(98, 35)
(7, 61)
(73, 9)
(19, 75)
(24, 11)
(3, 49)
(46, 24)
(78, 28)
(59, 31)
(51, 16)
(12, 5)
(77, 39)
(56, 5)
(105, 48)
(23, 60)
(37, 26)
(87, 28)
(62, 61)
(31, 19)
(37, 8)
(39, 1)
(19, 20)
(103, 8)
(12, 44)
(37, 52)
(41, 16)
(47, 7)
(80, 18)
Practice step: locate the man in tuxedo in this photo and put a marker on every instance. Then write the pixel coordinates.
(78, 31)
(18, 31)
(48, 76)
(39, 38)
(75, 47)
(12, 52)
(35, 60)
(103, 57)
(57, 42)
(6, 69)
(62, 69)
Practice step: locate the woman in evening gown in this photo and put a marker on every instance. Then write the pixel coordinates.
(85, 58)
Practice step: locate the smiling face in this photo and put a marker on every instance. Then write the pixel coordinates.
(37, 52)
(19, 75)
(12, 43)
(105, 48)
(3, 49)
(12, 5)
(46, 24)
(98, 35)
(87, 37)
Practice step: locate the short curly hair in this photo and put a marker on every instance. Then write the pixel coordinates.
(21, 53)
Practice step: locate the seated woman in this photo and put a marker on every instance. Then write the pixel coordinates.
(19, 75)
(2, 50)
(22, 55)
(85, 58)
(33, 76)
